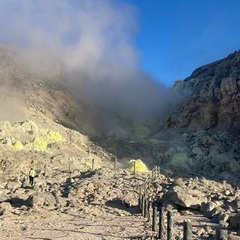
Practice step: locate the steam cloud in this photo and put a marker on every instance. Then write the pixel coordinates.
(94, 39)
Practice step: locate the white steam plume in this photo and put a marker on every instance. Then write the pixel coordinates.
(94, 39)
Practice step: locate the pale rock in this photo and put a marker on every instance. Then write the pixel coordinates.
(5, 208)
(41, 199)
(12, 185)
(186, 197)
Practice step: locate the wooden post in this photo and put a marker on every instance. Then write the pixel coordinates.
(154, 217)
(146, 208)
(45, 169)
(148, 211)
(19, 176)
(169, 226)
(143, 204)
(187, 235)
(115, 163)
(145, 188)
(221, 234)
(161, 223)
(140, 199)
(93, 164)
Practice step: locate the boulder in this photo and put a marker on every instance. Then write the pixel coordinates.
(206, 208)
(218, 214)
(130, 199)
(186, 197)
(12, 185)
(41, 199)
(3, 193)
(5, 208)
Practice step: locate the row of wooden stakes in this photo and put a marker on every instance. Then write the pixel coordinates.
(155, 213)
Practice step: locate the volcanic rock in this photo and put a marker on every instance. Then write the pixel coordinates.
(82, 172)
(213, 101)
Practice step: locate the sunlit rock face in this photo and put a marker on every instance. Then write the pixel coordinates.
(214, 97)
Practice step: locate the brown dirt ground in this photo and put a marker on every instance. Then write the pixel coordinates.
(51, 225)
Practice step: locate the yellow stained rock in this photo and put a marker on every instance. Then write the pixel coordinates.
(40, 144)
(18, 145)
(140, 166)
(54, 136)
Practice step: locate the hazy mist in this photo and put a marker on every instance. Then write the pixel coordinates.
(94, 41)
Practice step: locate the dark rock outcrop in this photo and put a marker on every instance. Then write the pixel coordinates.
(214, 97)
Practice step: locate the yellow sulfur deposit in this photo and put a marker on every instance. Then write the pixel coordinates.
(54, 136)
(40, 144)
(140, 166)
(18, 145)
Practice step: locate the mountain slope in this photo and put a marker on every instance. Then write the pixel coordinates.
(40, 96)
(35, 108)
(212, 105)
(214, 97)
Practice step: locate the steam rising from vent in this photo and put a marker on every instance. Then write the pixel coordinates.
(94, 40)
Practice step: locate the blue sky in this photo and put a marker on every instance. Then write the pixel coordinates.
(175, 37)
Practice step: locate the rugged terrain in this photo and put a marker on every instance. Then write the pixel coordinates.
(84, 188)
(214, 97)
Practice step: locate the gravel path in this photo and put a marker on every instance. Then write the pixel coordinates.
(51, 225)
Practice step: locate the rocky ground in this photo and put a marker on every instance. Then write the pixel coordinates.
(66, 226)
(103, 204)
(78, 194)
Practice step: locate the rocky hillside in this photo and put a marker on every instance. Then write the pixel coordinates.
(45, 127)
(39, 120)
(214, 97)
(187, 143)
(39, 96)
